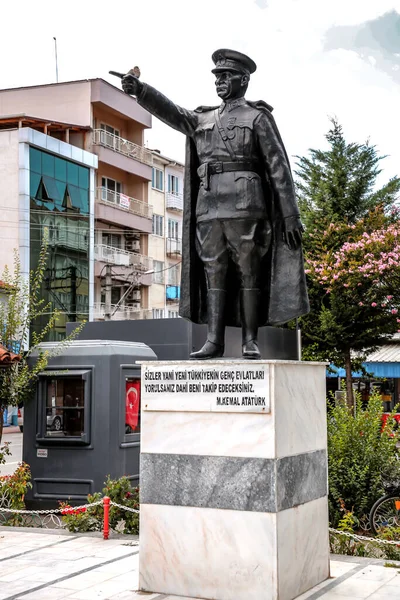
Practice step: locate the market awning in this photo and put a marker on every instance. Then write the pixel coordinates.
(384, 362)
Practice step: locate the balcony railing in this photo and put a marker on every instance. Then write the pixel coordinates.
(173, 246)
(122, 146)
(124, 258)
(121, 313)
(174, 201)
(109, 254)
(134, 206)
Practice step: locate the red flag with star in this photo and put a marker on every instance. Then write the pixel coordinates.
(132, 403)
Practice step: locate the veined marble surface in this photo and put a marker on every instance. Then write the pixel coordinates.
(299, 406)
(303, 548)
(233, 483)
(296, 424)
(208, 553)
(228, 555)
(210, 434)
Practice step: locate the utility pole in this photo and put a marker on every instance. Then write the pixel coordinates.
(55, 50)
(72, 315)
(107, 312)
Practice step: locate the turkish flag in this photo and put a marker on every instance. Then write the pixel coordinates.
(132, 403)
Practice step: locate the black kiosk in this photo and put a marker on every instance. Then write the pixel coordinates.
(84, 421)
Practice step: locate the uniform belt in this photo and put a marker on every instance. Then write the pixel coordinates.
(213, 168)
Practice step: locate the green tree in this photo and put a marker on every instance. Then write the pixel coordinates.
(354, 297)
(22, 306)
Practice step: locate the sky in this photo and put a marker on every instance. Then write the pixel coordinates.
(315, 59)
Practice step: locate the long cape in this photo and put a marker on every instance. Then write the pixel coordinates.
(283, 282)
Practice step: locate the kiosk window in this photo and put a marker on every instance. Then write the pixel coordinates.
(64, 406)
(132, 405)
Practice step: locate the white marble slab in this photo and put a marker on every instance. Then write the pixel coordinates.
(208, 553)
(299, 406)
(209, 434)
(303, 548)
(296, 424)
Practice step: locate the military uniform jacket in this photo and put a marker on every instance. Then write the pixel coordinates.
(264, 190)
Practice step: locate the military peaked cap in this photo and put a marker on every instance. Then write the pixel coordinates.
(230, 60)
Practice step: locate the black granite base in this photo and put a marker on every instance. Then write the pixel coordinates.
(243, 484)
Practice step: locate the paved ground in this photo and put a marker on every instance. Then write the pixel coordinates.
(38, 565)
(13, 435)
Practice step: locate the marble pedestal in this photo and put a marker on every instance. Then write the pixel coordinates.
(233, 483)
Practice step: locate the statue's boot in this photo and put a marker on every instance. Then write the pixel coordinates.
(214, 346)
(249, 307)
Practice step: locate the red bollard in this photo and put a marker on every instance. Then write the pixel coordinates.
(106, 521)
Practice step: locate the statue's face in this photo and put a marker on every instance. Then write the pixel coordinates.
(230, 84)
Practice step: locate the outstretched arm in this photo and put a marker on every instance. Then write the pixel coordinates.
(278, 169)
(160, 106)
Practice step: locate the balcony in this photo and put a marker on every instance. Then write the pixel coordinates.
(122, 154)
(129, 263)
(174, 201)
(122, 146)
(109, 254)
(121, 313)
(173, 247)
(123, 210)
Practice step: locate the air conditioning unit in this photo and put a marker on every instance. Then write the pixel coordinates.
(135, 295)
(132, 245)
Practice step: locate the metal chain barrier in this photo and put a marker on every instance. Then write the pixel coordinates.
(63, 511)
(127, 508)
(52, 518)
(363, 538)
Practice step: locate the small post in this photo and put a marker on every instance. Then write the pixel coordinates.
(106, 519)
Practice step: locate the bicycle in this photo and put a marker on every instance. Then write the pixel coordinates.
(386, 510)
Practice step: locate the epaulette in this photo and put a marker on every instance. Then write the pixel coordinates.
(261, 105)
(201, 109)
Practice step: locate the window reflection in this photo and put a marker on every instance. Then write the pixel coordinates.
(65, 407)
(60, 205)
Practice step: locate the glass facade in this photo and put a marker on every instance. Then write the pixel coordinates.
(59, 192)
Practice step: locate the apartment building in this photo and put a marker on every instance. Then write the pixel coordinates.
(73, 163)
(165, 242)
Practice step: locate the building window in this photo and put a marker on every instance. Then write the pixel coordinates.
(157, 179)
(173, 314)
(115, 296)
(110, 189)
(64, 402)
(158, 275)
(111, 239)
(158, 225)
(173, 184)
(109, 129)
(60, 193)
(173, 229)
(158, 313)
(173, 275)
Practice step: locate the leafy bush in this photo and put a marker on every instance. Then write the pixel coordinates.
(360, 448)
(82, 520)
(4, 452)
(13, 489)
(91, 519)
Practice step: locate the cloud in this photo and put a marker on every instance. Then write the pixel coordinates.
(377, 42)
(261, 3)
